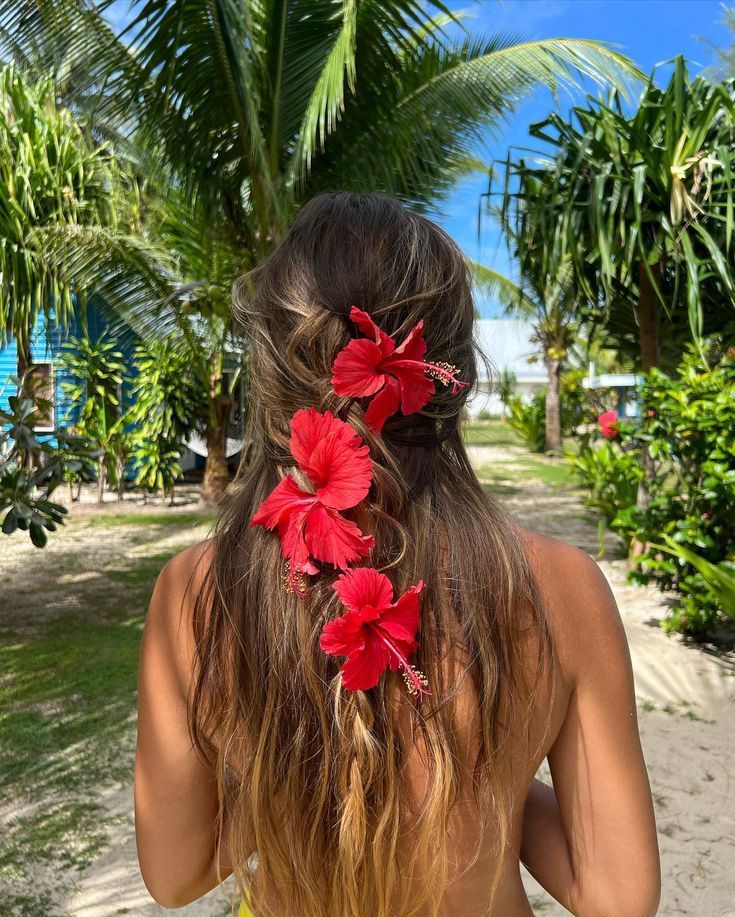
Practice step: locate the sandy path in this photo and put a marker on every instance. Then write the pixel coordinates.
(687, 722)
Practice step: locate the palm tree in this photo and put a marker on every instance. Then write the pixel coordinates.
(51, 179)
(254, 108)
(550, 302)
(506, 385)
(198, 318)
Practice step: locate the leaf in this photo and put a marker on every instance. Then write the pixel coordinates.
(10, 523)
(720, 578)
(38, 535)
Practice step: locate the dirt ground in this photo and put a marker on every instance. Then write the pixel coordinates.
(685, 693)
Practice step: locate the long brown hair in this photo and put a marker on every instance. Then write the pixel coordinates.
(310, 774)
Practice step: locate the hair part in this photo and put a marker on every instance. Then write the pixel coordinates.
(310, 775)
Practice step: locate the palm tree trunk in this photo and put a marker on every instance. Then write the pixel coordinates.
(25, 386)
(120, 464)
(216, 475)
(215, 471)
(649, 339)
(649, 321)
(101, 478)
(25, 362)
(553, 406)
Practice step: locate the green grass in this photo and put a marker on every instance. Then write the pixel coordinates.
(67, 695)
(181, 520)
(510, 477)
(143, 573)
(490, 433)
(67, 704)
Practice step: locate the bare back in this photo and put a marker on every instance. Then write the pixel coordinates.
(590, 840)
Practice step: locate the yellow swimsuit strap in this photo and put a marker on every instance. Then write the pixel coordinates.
(245, 908)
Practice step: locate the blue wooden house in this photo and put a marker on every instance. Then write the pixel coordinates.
(47, 344)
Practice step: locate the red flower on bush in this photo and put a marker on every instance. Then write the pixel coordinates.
(397, 376)
(375, 633)
(310, 524)
(608, 424)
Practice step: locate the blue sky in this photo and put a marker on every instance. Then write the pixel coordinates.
(648, 31)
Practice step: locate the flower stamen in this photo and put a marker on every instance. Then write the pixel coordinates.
(416, 682)
(446, 373)
(294, 581)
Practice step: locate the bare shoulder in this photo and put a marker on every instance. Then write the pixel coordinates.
(181, 577)
(557, 563)
(191, 563)
(168, 626)
(578, 601)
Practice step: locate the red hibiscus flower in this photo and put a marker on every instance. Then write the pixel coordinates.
(396, 376)
(375, 632)
(608, 424)
(337, 462)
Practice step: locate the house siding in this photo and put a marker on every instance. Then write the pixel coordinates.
(46, 346)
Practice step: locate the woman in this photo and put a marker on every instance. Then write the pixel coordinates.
(346, 693)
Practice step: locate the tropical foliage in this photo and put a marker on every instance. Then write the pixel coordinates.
(719, 577)
(256, 107)
(687, 527)
(528, 419)
(641, 206)
(52, 179)
(609, 474)
(168, 404)
(252, 110)
(644, 206)
(96, 372)
(26, 488)
(506, 385)
(689, 427)
(548, 295)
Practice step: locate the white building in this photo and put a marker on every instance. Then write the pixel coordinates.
(507, 344)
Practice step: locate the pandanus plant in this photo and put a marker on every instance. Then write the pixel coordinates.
(644, 206)
(52, 178)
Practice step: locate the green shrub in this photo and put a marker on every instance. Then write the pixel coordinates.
(169, 404)
(688, 524)
(689, 425)
(610, 475)
(576, 406)
(529, 420)
(157, 466)
(719, 578)
(32, 466)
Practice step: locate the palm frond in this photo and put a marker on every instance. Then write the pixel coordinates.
(410, 130)
(502, 288)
